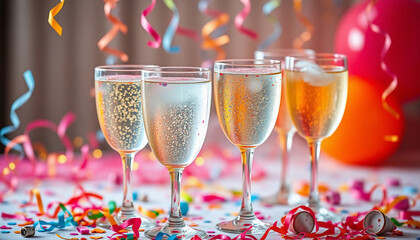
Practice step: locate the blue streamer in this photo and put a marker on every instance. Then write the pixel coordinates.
(267, 9)
(29, 79)
(172, 27)
(62, 222)
(160, 236)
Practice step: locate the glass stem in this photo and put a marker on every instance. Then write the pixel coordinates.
(313, 200)
(127, 208)
(286, 139)
(175, 217)
(246, 212)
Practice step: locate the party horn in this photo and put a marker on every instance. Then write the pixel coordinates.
(301, 222)
(378, 223)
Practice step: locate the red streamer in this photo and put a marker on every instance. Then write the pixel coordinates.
(240, 19)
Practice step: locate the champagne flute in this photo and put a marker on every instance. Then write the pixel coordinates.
(176, 107)
(284, 128)
(247, 95)
(118, 105)
(316, 93)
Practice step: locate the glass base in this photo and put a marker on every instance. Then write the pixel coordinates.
(182, 233)
(146, 222)
(283, 198)
(240, 225)
(325, 215)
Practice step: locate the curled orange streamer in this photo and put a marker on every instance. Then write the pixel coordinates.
(387, 44)
(216, 42)
(110, 35)
(307, 34)
(53, 12)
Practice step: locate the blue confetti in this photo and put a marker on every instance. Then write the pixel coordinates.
(11, 223)
(410, 190)
(207, 221)
(5, 231)
(135, 196)
(184, 208)
(160, 236)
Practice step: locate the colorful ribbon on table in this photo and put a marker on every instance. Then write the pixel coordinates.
(53, 12)
(146, 25)
(387, 45)
(269, 7)
(309, 27)
(117, 26)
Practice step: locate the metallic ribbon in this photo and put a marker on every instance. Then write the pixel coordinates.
(212, 32)
(53, 12)
(268, 7)
(29, 79)
(240, 19)
(110, 35)
(146, 25)
(387, 44)
(307, 34)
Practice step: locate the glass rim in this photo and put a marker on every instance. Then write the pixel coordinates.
(177, 70)
(247, 62)
(278, 51)
(319, 56)
(125, 67)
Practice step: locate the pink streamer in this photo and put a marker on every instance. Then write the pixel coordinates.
(146, 25)
(240, 19)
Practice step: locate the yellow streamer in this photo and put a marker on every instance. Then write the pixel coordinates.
(53, 12)
(307, 34)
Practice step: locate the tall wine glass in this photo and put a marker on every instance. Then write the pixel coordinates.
(118, 105)
(176, 106)
(316, 93)
(247, 94)
(284, 128)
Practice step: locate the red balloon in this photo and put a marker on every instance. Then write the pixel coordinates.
(401, 20)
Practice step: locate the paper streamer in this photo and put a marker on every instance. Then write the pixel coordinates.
(29, 79)
(110, 35)
(146, 25)
(267, 9)
(62, 221)
(133, 222)
(240, 19)
(53, 12)
(212, 32)
(387, 44)
(307, 34)
(173, 28)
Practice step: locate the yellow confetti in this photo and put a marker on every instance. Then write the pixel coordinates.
(53, 12)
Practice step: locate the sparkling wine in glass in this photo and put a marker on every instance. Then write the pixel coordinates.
(284, 128)
(316, 93)
(119, 109)
(247, 95)
(176, 106)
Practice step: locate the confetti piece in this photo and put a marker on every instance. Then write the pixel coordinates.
(11, 223)
(269, 7)
(110, 35)
(53, 12)
(99, 237)
(83, 230)
(65, 238)
(29, 79)
(17, 232)
(74, 234)
(97, 230)
(387, 45)
(410, 190)
(5, 227)
(309, 27)
(146, 25)
(5, 231)
(184, 208)
(240, 19)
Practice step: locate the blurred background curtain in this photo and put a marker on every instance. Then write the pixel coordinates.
(63, 66)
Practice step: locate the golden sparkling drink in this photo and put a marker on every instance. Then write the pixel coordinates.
(247, 104)
(316, 100)
(119, 112)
